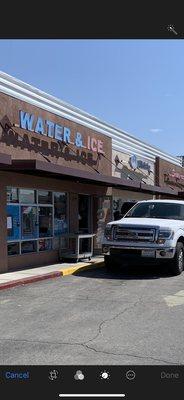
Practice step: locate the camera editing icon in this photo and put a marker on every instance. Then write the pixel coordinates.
(53, 374)
(172, 29)
(130, 375)
(105, 375)
(79, 376)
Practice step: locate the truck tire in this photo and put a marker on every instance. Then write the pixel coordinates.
(177, 264)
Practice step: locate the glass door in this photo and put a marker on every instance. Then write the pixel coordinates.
(45, 221)
(29, 222)
(84, 213)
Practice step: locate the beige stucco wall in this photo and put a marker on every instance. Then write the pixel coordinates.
(124, 168)
(126, 195)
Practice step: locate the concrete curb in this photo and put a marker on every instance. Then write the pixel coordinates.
(32, 279)
(74, 269)
(55, 274)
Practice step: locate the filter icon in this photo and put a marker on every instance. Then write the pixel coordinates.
(79, 376)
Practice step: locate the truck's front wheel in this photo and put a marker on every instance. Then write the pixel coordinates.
(177, 265)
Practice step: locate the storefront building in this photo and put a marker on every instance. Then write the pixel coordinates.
(62, 171)
(137, 169)
(169, 175)
(137, 161)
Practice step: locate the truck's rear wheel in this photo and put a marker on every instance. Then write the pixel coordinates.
(177, 264)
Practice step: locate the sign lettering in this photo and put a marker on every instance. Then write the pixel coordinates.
(61, 133)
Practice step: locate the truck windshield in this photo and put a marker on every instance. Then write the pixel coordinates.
(157, 210)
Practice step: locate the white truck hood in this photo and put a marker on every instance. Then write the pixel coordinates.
(162, 223)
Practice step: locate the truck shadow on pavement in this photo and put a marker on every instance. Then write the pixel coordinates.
(128, 273)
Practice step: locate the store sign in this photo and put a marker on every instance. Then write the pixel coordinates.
(62, 133)
(133, 162)
(136, 163)
(174, 175)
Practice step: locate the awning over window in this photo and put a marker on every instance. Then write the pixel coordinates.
(42, 168)
(5, 159)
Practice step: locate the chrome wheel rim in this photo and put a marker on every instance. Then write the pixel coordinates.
(180, 260)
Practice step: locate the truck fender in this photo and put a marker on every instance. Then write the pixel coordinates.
(178, 234)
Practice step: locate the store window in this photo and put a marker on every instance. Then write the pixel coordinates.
(13, 249)
(44, 197)
(45, 221)
(45, 244)
(32, 217)
(60, 213)
(27, 196)
(13, 222)
(12, 195)
(29, 247)
(56, 241)
(29, 222)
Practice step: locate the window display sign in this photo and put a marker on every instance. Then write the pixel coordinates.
(13, 222)
(60, 225)
(9, 222)
(45, 221)
(29, 222)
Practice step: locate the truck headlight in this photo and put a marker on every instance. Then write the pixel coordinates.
(108, 232)
(164, 234)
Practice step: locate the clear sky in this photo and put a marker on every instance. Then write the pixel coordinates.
(136, 85)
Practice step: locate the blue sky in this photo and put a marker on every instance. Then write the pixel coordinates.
(136, 85)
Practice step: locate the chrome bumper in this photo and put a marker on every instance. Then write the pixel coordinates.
(162, 253)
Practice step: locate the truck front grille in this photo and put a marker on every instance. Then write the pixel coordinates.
(134, 234)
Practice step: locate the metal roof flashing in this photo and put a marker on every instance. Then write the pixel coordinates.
(121, 140)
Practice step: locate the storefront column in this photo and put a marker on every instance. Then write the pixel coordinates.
(3, 230)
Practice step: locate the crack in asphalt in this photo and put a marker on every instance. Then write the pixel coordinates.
(86, 347)
(131, 355)
(112, 319)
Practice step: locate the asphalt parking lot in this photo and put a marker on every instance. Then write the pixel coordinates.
(134, 316)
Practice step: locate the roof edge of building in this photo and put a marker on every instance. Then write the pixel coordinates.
(26, 92)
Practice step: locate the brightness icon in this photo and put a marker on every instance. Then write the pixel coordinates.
(105, 375)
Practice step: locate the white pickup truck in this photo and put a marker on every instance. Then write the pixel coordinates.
(150, 230)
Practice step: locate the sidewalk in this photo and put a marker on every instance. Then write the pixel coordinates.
(23, 277)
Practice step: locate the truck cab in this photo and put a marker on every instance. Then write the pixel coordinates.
(150, 230)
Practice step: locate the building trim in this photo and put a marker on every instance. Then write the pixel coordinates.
(5, 159)
(37, 167)
(121, 140)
